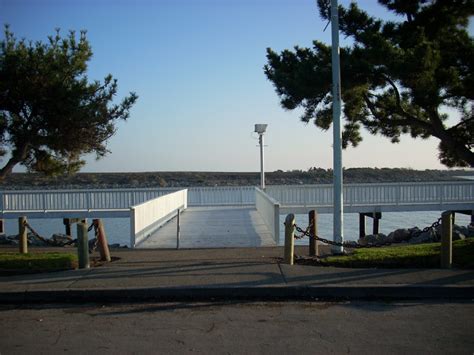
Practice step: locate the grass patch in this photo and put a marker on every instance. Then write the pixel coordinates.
(11, 263)
(407, 256)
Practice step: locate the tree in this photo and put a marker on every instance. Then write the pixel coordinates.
(397, 77)
(50, 115)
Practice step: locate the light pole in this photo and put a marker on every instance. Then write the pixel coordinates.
(338, 229)
(260, 129)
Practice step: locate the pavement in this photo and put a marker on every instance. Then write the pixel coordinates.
(230, 274)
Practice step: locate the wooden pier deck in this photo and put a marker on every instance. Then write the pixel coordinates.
(213, 227)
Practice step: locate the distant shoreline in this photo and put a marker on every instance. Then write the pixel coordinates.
(23, 181)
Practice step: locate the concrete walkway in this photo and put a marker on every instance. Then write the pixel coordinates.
(228, 274)
(213, 227)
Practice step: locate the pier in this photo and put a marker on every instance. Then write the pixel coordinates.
(229, 216)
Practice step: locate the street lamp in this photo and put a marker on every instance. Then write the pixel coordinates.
(338, 229)
(260, 129)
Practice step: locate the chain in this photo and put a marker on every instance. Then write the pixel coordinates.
(47, 241)
(96, 232)
(351, 244)
(435, 224)
(44, 240)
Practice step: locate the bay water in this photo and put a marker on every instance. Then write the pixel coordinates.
(118, 229)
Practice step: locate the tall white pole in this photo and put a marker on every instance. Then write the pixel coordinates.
(338, 230)
(262, 171)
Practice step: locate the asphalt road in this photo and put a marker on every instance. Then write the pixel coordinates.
(239, 328)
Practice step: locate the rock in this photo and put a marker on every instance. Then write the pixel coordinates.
(430, 236)
(400, 235)
(348, 244)
(33, 240)
(414, 231)
(458, 236)
(374, 239)
(470, 231)
(460, 232)
(4, 240)
(61, 239)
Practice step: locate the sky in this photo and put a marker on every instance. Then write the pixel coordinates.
(197, 67)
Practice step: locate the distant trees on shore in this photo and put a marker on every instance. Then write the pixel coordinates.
(186, 179)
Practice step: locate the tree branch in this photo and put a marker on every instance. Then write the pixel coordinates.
(410, 120)
(462, 123)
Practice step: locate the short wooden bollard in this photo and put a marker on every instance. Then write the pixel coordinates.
(102, 238)
(289, 238)
(313, 222)
(446, 240)
(83, 245)
(23, 235)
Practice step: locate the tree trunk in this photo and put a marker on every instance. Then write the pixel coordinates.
(18, 156)
(7, 169)
(445, 136)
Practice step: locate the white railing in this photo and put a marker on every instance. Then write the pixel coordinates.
(376, 194)
(394, 194)
(70, 200)
(269, 209)
(226, 195)
(149, 216)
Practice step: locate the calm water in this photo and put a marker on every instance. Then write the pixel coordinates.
(118, 229)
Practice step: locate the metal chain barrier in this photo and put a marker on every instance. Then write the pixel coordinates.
(44, 240)
(96, 232)
(351, 244)
(52, 243)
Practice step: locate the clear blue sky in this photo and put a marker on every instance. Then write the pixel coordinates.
(197, 68)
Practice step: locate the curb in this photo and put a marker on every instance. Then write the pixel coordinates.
(210, 294)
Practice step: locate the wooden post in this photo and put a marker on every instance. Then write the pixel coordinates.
(361, 225)
(313, 244)
(376, 217)
(83, 245)
(289, 238)
(23, 235)
(446, 240)
(177, 230)
(67, 225)
(102, 239)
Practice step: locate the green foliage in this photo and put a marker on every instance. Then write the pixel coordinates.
(412, 256)
(396, 77)
(36, 262)
(50, 114)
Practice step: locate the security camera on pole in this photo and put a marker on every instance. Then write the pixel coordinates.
(260, 129)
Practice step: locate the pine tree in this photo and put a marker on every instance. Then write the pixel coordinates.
(397, 77)
(50, 115)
